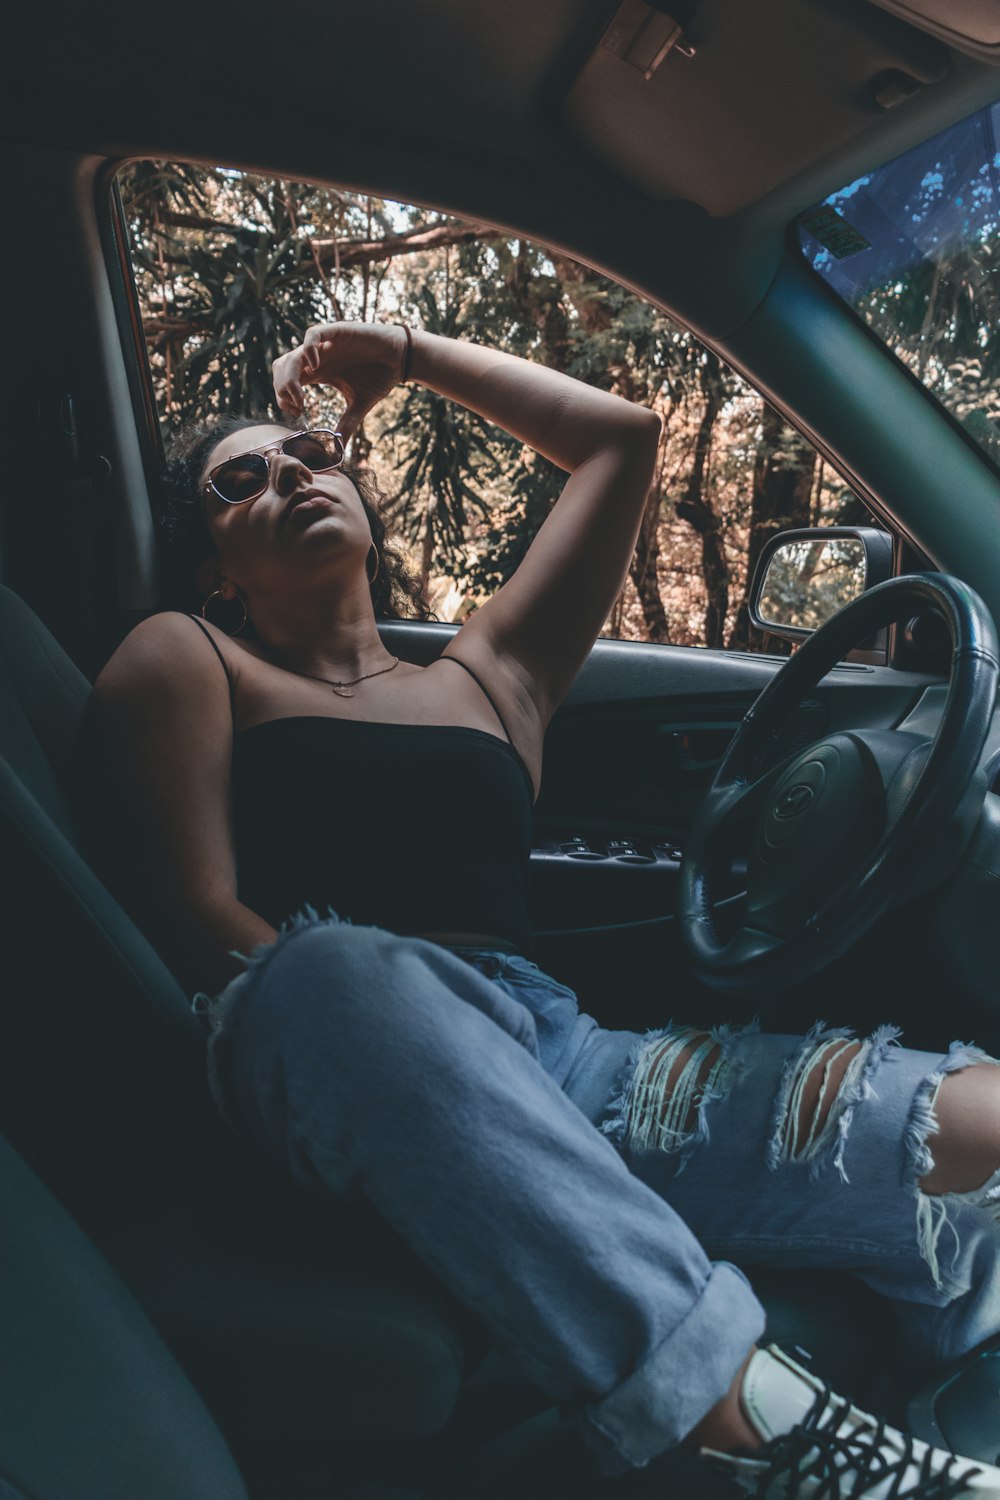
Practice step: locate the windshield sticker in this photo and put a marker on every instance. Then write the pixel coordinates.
(834, 232)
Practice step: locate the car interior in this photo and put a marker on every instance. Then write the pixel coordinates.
(176, 1319)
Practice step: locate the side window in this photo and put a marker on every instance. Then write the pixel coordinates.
(230, 269)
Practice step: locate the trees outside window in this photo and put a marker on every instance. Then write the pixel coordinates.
(232, 268)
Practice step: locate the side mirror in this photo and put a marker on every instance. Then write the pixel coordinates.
(803, 577)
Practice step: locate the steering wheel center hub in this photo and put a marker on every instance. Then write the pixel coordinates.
(795, 801)
(821, 817)
(797, 798)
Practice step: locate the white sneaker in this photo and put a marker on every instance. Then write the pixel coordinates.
(817, 1446)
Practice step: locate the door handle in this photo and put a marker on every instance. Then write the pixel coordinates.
(691, 747)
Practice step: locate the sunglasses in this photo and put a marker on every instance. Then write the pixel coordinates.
(244, 477)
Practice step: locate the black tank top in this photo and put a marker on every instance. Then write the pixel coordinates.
(410, 827)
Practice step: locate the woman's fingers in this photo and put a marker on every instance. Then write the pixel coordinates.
(321, 333)
(291, 371)
(288, 374)
(360, 360)
(291, 398)
(343, 348)
(314, 357)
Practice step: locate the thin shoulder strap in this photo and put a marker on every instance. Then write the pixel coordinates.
(483, 689)
(225, 665)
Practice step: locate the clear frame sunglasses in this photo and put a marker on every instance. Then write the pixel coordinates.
(237, 480)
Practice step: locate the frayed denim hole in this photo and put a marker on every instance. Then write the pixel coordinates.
(932, 1209)
(816, 1037)
(647, 1116)
(821, 1047)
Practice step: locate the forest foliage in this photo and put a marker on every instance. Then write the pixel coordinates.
(920, 264)
(232, 268)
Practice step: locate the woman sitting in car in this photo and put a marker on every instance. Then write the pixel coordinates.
(334, 842)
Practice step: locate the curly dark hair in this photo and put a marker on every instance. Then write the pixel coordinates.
(183, 524)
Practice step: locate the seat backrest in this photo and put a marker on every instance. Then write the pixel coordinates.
(96, 1035)
(91, 1402)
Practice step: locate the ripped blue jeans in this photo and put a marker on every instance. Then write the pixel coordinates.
(584, 1191)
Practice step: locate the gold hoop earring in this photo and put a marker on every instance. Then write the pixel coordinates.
(378, 564)
(218, 594)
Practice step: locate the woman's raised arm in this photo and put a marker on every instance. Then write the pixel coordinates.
(542, 623)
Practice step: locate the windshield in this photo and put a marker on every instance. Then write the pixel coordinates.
(914, 249)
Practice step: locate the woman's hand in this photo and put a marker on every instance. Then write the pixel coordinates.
(363, 361)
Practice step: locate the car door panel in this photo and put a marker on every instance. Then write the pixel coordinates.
(633, 747)
(628, 757)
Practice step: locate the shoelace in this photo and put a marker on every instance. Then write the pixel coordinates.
(810, 1451)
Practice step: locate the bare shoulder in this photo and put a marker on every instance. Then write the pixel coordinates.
(501, 674)
(510, 691)
(162, 651)
(164, 669)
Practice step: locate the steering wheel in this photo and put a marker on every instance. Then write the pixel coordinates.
(833, 838)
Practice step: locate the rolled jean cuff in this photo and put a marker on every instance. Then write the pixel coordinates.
(686, 1375)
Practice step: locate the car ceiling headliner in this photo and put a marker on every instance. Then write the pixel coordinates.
(479, 108)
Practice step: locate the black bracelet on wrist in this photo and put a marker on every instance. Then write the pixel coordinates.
(407, 356)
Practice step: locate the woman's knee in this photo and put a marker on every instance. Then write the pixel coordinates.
(361, 998)
(965, 1140)
(331, 1027)
(337, 988)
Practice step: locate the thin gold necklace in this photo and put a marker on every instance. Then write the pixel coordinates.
(343, 689)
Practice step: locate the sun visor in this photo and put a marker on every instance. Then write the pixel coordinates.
(722, 104)
(971, 26)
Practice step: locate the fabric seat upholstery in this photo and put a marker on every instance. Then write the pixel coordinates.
(91, 1403)
(102, 1091)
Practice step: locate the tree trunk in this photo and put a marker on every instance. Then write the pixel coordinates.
(643, 570)
(695, 507)
(782, 487)
(539, 300)
(579, 285)
(578, 281)
(427, 544)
